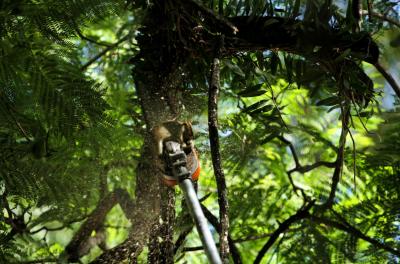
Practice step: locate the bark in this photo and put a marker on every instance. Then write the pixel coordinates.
(157, 79)
(161, 246)
(216, 159)
(144, 216)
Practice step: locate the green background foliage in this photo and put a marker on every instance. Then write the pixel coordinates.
(71, 131)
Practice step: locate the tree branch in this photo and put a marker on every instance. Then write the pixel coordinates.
(239, 240)
(214, 222)
(299, 215)
(307, 168)
(44, 228)
(103, 52)
(381, 17)
(73, 251)
(355, 232)
(389, 78)
(77, 246)
(80, 34)
(215, 154)
(339, 159)
(299, 168)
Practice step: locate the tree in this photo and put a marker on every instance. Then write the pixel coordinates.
(284, 73)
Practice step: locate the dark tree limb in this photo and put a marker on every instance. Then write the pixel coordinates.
(355, 232)
(81, 243)
(82, 36)
(310, 167)
(181, 239)
(95, 220)
(216, 156)
(47, 229)
(302, 169)
(103, 52)
(389, 78)
(302, 213)
(292, 150)
(239, 240)
(214, 222)
(339, 159)
(382, 17)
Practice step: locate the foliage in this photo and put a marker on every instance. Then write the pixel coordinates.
(71, 125)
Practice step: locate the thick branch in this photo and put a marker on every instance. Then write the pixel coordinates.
(77, 246)
(355, 232)
(286, 34)
(216, 158)
(93, 222)
(389, 78)
(299, 215)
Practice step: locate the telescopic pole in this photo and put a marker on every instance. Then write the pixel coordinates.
(176, 161)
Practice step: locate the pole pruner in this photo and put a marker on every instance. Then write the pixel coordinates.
(184, 168)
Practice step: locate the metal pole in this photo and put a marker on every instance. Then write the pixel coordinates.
(200, 221)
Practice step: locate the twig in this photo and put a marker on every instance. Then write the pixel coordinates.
(302, 169)
(103, 52)
(211, 15)
(80, 34)
(292, 150)
(339, 159)
(307, 168)
(389, 78)
(215, 153)
(181, 239)
(354, 161)
(11, 109)
(355, 232)
(299, 215)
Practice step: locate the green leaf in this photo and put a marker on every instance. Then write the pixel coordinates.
(234, 68)
(367, 114)
(270, 137)
(333, 108)
(252, 91)
(334, 100)
(255, 106)
(270, 22)
(263, 109)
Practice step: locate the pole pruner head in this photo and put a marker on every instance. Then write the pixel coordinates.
(173, 142)
(179, 164)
